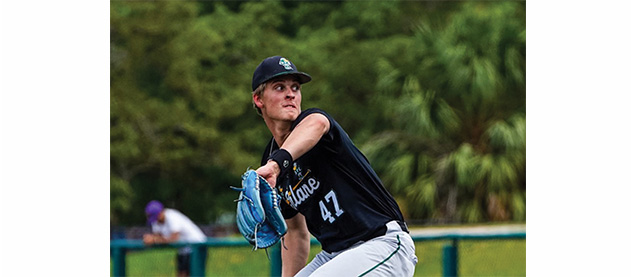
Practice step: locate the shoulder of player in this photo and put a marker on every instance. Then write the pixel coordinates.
(313, 111)
(174, 213)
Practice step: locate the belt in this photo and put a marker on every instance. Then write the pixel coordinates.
(404, 226)
(383, 229)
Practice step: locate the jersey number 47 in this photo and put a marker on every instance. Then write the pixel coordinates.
(326, 214)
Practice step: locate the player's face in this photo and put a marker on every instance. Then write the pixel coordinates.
(281, 99)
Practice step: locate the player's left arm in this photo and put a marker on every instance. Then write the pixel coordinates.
(157, 238)
(304, 137)
(295, 250)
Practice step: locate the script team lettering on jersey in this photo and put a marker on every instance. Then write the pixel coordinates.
(307, 187)
(300, 192)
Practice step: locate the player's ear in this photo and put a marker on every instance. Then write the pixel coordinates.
(257, 100)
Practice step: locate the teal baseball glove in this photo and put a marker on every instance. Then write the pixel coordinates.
(258, 211)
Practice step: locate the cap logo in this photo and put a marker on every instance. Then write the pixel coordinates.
(285, 63)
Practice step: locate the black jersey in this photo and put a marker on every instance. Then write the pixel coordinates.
(336, 189)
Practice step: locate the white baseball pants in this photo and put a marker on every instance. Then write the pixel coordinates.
(392, 254)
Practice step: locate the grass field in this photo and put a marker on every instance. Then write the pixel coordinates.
(476, 258)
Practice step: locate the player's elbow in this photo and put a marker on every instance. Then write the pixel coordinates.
(320, 123)
(302, 234)
(297, 227)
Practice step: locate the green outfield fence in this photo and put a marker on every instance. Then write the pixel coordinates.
(450, 249)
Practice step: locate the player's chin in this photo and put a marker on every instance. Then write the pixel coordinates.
(291, 114)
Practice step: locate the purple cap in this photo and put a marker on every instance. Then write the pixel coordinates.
(152, 210)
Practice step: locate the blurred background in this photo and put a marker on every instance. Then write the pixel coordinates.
(434, 93)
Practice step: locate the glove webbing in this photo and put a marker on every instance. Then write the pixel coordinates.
(256, 227)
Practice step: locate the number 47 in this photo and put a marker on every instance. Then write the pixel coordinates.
(326, 214)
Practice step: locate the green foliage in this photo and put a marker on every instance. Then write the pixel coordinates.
(121, 195)
(460, 104)
(432, 92)
(492, 258)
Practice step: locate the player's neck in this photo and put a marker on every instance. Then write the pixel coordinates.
(280, 130)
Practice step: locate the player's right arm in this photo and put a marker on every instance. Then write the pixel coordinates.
(304, 137)
(297, 243)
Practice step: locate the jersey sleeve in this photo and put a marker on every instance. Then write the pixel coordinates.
(287, 211)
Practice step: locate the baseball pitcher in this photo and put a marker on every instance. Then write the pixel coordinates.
(314, 177)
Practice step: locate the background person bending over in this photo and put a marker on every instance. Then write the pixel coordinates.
(328, 187)
(170, 225)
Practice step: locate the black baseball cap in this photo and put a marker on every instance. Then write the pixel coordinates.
(276, 66)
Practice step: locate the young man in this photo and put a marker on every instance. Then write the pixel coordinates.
(328, 187)
(169, 225)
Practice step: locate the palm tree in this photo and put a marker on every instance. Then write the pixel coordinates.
(457, 147)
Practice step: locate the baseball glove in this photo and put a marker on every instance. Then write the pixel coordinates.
(258, 211)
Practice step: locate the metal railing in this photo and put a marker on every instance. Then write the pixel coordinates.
(119, 249)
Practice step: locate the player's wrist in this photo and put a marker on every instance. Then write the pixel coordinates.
(274, 167)
(284, 160)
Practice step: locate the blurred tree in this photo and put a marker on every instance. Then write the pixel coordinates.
(457, 98)
(181, 130)
(442, 84)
